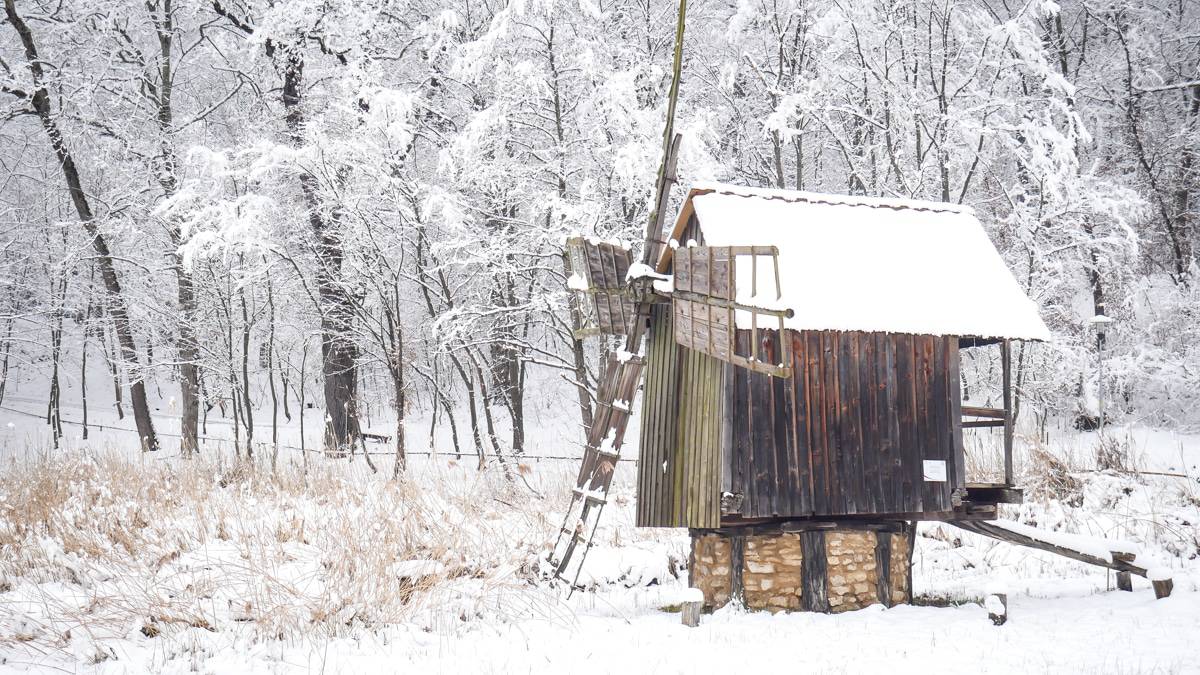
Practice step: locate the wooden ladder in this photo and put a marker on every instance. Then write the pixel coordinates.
(614, 400)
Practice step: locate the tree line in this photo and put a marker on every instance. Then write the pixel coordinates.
(263, 204)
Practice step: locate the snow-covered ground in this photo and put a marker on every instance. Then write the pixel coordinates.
(116, 562)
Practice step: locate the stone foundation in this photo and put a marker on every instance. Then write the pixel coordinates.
(824, 570)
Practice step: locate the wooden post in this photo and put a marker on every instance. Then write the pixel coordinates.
(1124, 581)
(690, 613)
(1160, 579)
(690, 604)
(997, 607)
(1006, 367)
(737, 559)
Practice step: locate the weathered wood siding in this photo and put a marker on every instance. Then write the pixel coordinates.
(682, 433)
(849, 432)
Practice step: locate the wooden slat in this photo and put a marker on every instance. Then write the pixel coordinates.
(926, 420)
(1006, 368)
(851, 415)
(940, 416)
(831, 393)
(800, 422)
(785, 471)
(818, 435)
(954, 391)
(871, 415)
(977, 424)
(973, 411)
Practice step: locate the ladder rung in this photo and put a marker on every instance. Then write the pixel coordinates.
(587, 497)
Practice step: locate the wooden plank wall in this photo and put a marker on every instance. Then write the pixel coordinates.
(680, 460)
(848, 433)
(679, 471)
(660, 403)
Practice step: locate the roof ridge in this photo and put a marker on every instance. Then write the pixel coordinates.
(797, 196)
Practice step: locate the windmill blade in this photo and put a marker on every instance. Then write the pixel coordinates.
(596, 274)
(725, 302)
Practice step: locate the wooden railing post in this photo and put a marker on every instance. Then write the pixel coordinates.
(1006, 367)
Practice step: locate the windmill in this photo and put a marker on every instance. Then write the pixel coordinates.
(800, 449)
(617, 297)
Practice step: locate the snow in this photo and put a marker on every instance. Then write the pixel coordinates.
(417, 569)
(640, 270)
(576, 282)
(869, 264)
(1094, 546)
(624, 356)
(306, 583)
(1159, 574)
(691, 595)
(994, 606)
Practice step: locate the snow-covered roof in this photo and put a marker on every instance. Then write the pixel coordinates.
(867, 264)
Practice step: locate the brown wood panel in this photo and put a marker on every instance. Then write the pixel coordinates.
(658, 430)
(870, 420)
(954, 393)
(851, 411)
(906, 416)
(891, 490)
(831, 395)
(817, 431)
(802, 446)
(849, 433)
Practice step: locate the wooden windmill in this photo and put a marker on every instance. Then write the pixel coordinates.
(623, 298)
(802, 402)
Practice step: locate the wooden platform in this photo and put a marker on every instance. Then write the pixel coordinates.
(993, 493)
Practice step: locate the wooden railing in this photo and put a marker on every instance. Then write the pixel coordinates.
(997, 417)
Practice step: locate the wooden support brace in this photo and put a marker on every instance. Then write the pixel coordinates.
(1124, 581)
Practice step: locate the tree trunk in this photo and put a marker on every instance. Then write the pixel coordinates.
(339, 352)
(8, 331)
(111, 357)
(186, 347)
(271, 377)
(40, 101)
(247, 408)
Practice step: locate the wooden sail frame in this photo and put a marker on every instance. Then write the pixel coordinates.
(605, 305)
(705, 307)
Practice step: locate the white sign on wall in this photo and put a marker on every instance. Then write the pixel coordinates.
(935, 471)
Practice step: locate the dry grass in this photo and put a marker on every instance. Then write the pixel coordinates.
(172, 547)
(1045, 478)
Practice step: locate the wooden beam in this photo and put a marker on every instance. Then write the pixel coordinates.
(991, 413)
(1120, 563)
(976, 424)
(1006, 364)
(737, 559)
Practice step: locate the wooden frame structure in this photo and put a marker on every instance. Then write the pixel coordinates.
(601, 297)
(706, 306)
(995, 418)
